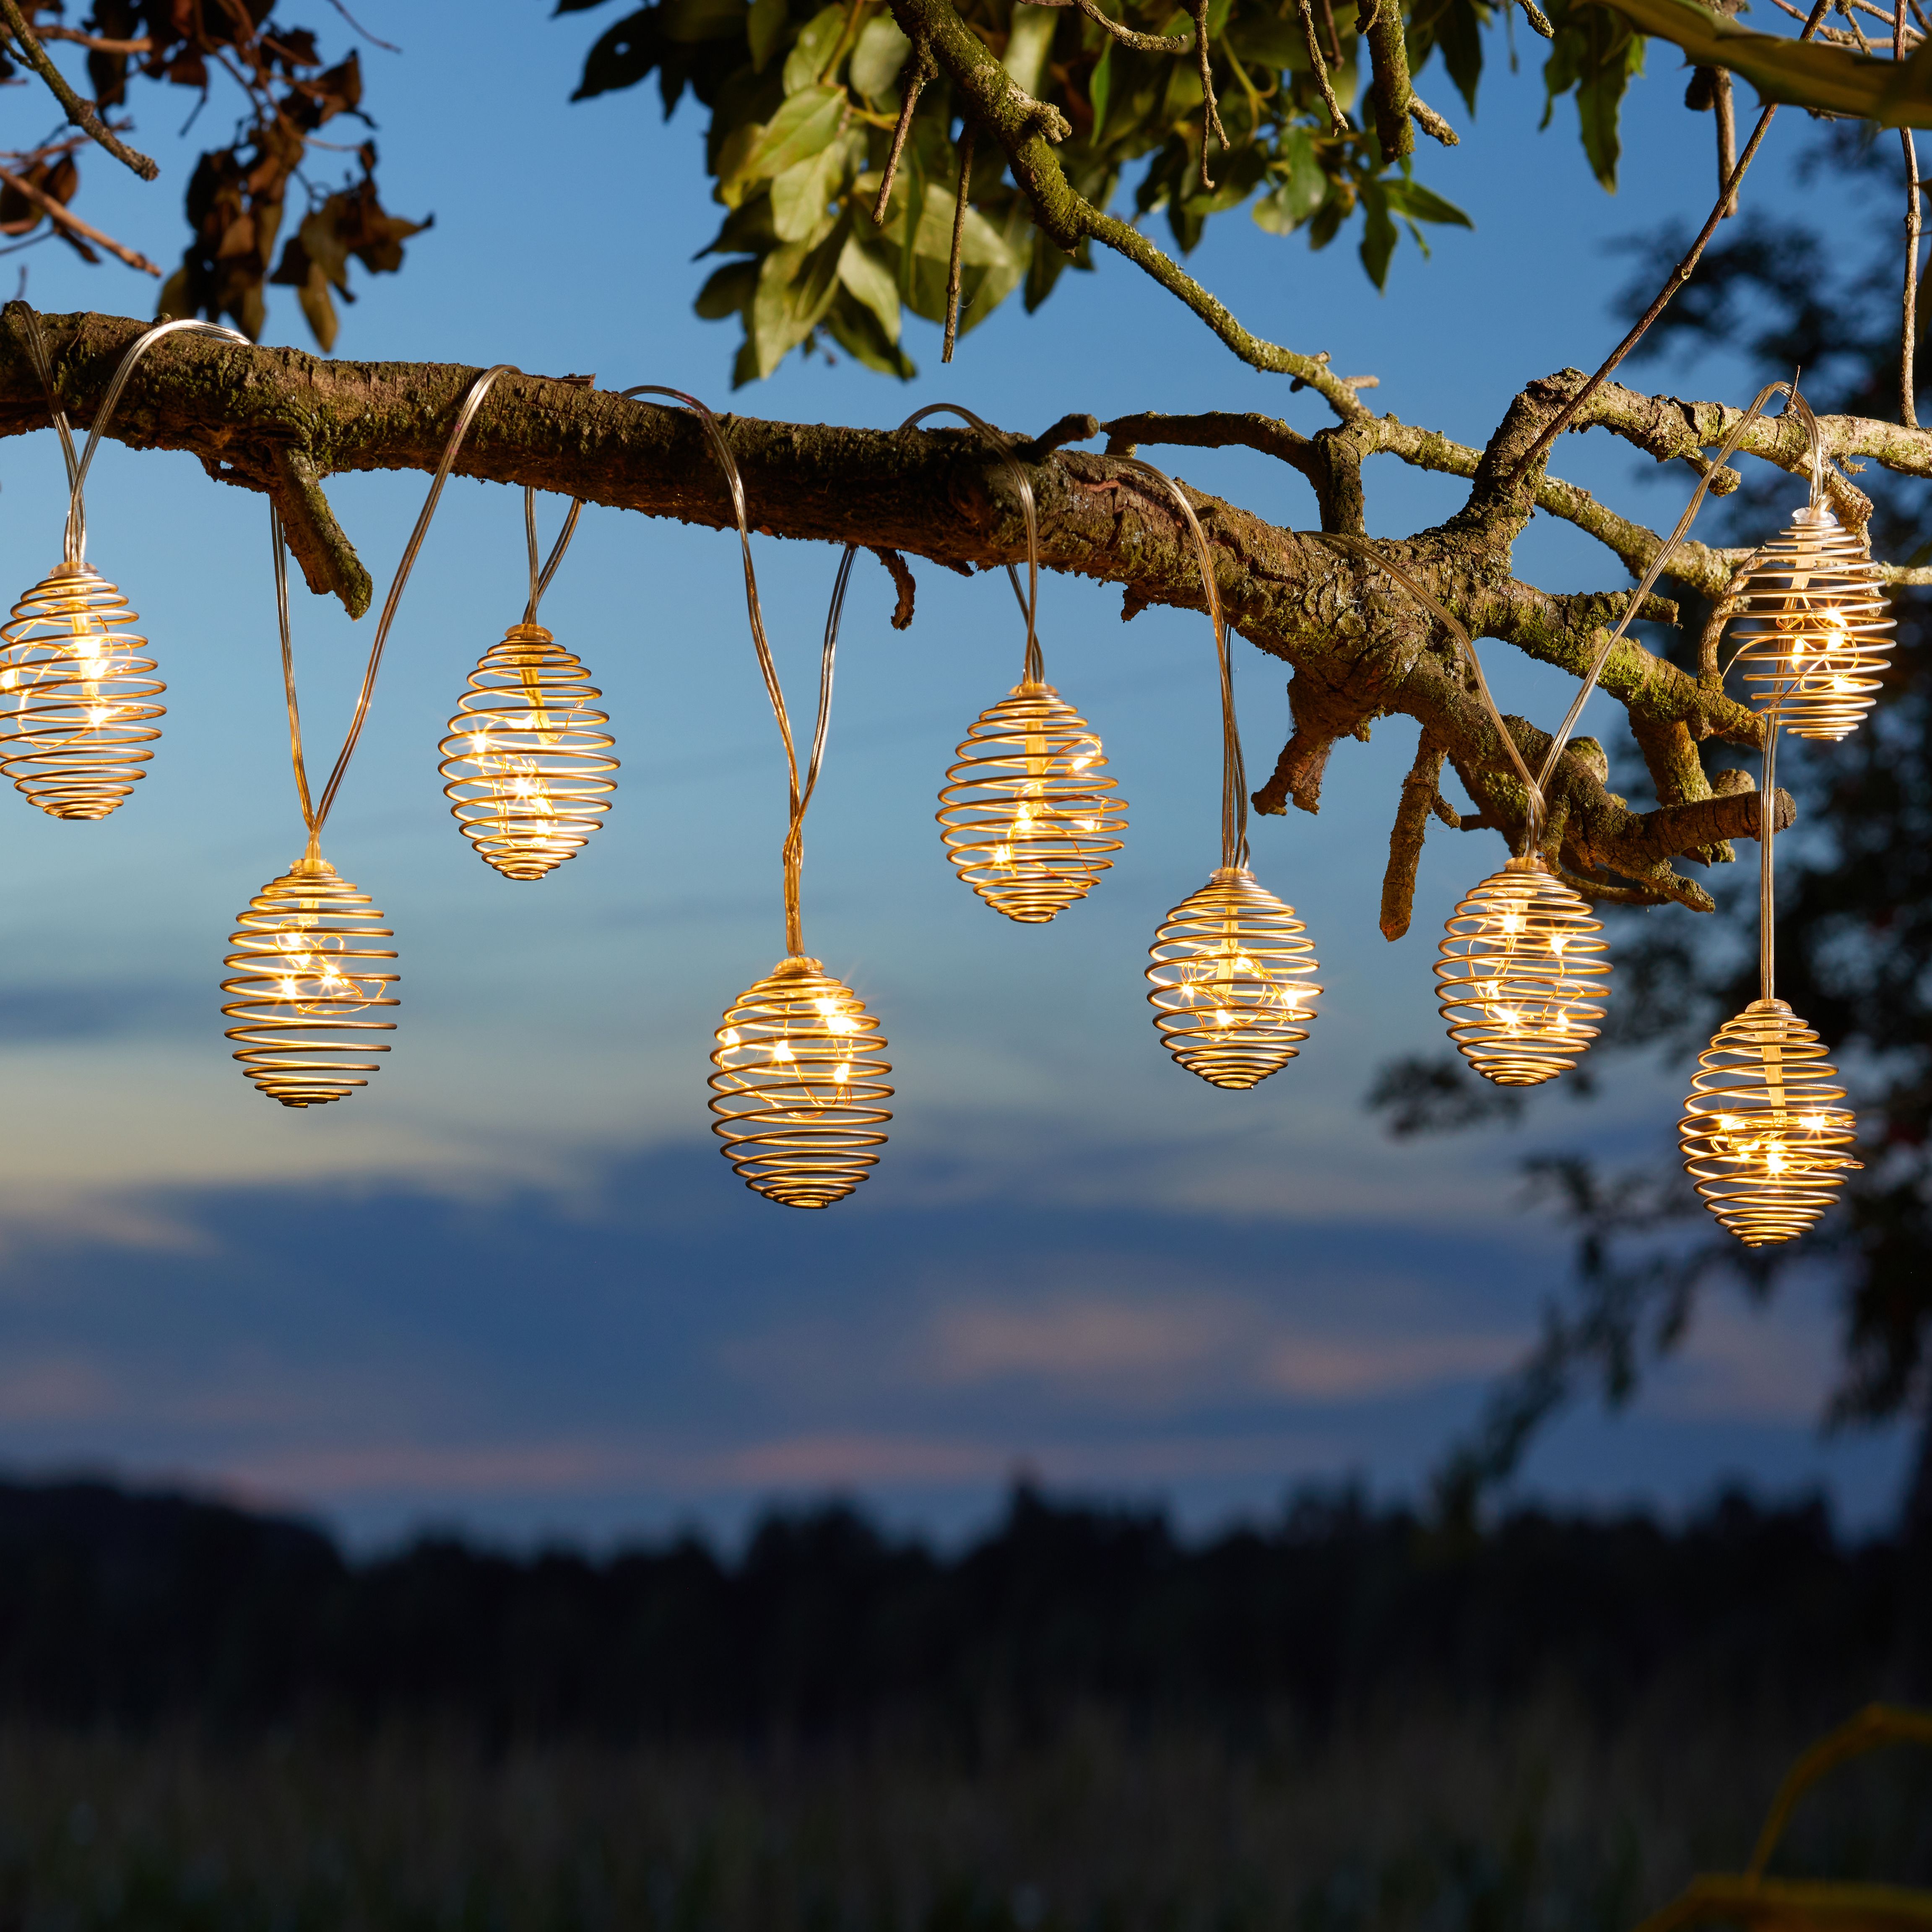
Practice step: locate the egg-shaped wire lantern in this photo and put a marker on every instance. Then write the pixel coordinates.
(799, 1086)
(77, 694)
(1029, 814)
(1232, 974)
(1765, 1133)
(527, 763)
(310, 980)
(1812, 627)
(1522, 975)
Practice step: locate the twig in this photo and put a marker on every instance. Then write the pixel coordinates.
(953, 266)
(76, 110)
(1334, 39)
(93, 43)
(1210, 115)
(1724, 103)
(919, 68)
(67, 219)
(1538, 19)
(1431, 123)
(1141, 43)
(1418, 798)
(1336, 118)
(374, 40)
(1679, 276)
(1908, 337)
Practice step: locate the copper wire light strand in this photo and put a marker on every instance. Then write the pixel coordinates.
(279, 543)
(800, 795)
(540, 579)
(1234, 768)
(76, 539)
(465, 416)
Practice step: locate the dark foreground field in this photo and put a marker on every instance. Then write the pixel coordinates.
(1339, 1724)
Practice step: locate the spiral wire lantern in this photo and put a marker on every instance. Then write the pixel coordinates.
(1231, 968)
(77, 689)
(1812, 623)
(798, 1085)
(527, 761)
(1028, 817)
(305, 971)
(1765, 1133)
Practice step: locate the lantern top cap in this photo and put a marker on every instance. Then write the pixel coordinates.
(1815, 517)
(798, 967)
(61, 570)
(1224, 875)
(528, 634)
(1528, 861)
(311, 868)
(1768, 1007)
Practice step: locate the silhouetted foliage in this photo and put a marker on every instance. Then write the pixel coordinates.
(132, 1609)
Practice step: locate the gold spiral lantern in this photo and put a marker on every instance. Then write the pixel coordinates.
(1522, 975)
(1812, 627)
(1766, 1134)
(311, 980)
(76, 695)
(527, 762)
(799, 1086)
(1232, 978)
(1029, 815)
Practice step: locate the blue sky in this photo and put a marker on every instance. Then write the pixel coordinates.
(512, 1287)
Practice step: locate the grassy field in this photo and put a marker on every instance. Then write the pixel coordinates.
(1421, 1822)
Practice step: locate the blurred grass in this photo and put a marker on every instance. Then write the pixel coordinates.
(1439, 1820)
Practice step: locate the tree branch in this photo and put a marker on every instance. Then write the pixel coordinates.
(78, 113)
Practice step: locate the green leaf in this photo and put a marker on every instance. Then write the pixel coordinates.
(1895, 94)
(796, 286)
(805, 126)
(1099, 87)
(879, 56)
(1378, 233)
(686, 22)
(1596, 53)
(801, 196)
(1302, 185)
(621, 55)
(866, 273)
(727, 291)
(1029, 41)
(856, 329)
(813, 48)
(1421, 204)
(1261, 36)
(764, 28)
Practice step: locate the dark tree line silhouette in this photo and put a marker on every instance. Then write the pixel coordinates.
(136, 1610)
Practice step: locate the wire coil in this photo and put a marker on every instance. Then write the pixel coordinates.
(799, 1085)
(1764, 1133)
(527, 762)
(1521, 974)
(1813, 627)
(1231, 971)
(1028, 819)
(308, 972)
(76, 695)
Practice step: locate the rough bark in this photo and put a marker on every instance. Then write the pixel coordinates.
(278, 422)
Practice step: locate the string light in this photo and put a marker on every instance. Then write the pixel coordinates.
(800, 1083)
(1521, 975)
(1813, 626)
(1028, 812)
(1766, 1134)
(76, 695)
(77, 685)
(309, 982)
(1029, 816)
(1232, 974)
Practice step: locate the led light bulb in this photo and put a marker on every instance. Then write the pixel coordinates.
(1230, 970)
(1764, 1134)
(76, 695)
(527, 763)
(1028, 817)
(799, 1086)
(1521, 975)
(309, 985)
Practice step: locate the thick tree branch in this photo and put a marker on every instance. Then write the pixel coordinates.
(274, 419)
